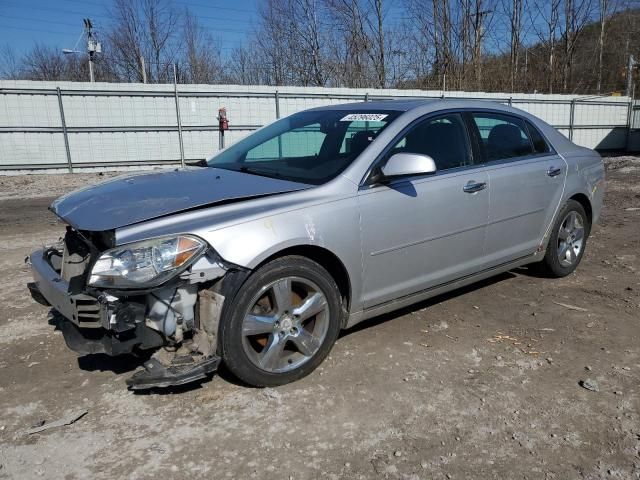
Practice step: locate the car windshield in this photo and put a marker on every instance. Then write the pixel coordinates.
(309, 147)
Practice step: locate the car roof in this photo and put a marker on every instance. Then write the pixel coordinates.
(396, 105)
(405, 105)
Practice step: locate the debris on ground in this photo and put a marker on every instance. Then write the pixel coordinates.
(524, 345)
(571, 307)
(589, 385)
(68, 420)
(271, 393)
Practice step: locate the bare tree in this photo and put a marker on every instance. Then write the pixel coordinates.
(481, 44)
(202, 58)
(349, 26)
(605, 10)
(9, 63)
(482, 17)
(375, 23)
(576, 15)
(43, 63)
(549, 13)
(245, 67)
(144, 29)
(433, 33)
(307, 26)
(513, 11)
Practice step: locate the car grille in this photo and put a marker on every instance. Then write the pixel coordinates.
(88, 311)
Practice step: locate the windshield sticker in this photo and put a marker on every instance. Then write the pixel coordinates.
(364, 117)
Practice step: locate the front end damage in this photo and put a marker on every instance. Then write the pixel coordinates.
(178, 319)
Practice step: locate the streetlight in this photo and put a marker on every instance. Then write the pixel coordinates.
(93, 47)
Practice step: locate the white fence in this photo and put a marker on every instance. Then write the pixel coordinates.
(53, 125)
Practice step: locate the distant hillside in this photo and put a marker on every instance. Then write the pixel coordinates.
(622, 38)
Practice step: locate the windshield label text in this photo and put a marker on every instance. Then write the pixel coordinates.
(364, 117)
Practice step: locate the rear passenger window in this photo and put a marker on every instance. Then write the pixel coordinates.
(539, 143)
(503, 136)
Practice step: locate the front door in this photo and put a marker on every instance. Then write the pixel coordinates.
(425, 231)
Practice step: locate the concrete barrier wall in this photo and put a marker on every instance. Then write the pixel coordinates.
(110, 124)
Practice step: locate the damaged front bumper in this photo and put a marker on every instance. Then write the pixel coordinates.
(90, 324)
(116, 323)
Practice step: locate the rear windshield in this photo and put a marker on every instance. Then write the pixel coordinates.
(308, 147)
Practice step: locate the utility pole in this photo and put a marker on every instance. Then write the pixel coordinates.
(143, 70)
(93, 47)
(630, 66)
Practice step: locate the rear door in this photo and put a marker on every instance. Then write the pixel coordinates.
(526, 182)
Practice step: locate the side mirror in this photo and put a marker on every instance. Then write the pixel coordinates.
(404, 164)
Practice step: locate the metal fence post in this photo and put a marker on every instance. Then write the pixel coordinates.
(175, 85)
(64, 130)
(366, 97)
(277, 99)
(572, 113)
(630, 122)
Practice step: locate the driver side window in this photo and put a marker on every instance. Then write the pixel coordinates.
(443, 138)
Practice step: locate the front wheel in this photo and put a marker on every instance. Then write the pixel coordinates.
(567, 242)
(282, 323)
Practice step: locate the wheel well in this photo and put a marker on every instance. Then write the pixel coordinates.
(583, 200)
(327, 260)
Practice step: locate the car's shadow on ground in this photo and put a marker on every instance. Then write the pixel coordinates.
(99, 361)
(431, 301)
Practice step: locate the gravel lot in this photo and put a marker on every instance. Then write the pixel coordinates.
(480, 383)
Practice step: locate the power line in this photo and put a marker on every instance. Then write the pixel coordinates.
(38, 20)
(58, 10)
(213, 7)
(11, 17)
(177, 2)
(36, 30)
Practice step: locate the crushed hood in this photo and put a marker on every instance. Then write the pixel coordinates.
(133, 199)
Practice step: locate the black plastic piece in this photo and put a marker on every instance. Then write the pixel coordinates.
(87, 341)
(36, 295)
(128, 315)
(77, 245)
(182, 370)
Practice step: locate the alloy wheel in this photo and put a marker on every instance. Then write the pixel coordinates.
(285, 325)
(570, 239)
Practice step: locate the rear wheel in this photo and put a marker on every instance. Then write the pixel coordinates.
(567, 242)
(282, 323)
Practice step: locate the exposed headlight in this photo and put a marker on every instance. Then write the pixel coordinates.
(145, 264)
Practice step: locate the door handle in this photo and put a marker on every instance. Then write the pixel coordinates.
(473, 187)
(554, 171)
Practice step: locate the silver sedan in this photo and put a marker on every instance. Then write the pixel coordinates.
(308, 226)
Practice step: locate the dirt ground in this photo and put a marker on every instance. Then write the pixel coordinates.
(480, 383)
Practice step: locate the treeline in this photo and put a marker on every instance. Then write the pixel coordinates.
(547, 46)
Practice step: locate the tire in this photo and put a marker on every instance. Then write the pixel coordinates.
(563, 253)
(282, 323)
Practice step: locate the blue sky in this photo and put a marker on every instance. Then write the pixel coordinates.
(59, 22)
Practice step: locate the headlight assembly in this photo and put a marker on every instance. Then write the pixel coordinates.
(145, 264)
